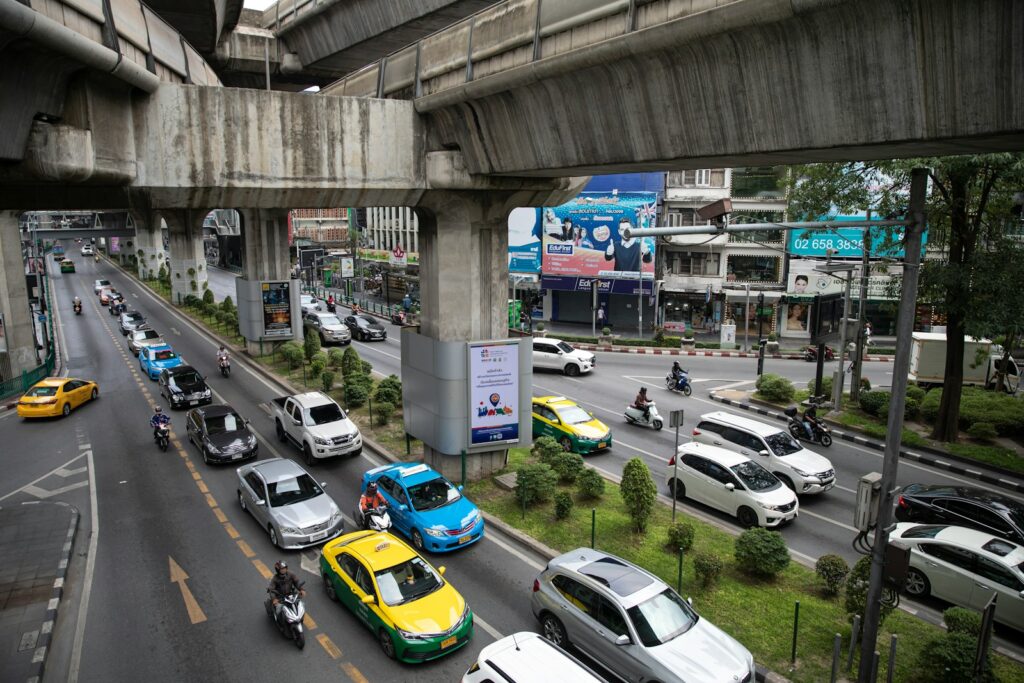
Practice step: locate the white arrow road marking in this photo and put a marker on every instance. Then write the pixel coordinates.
(68, 473)
(34, 490)
(311, 564)
(175, 331)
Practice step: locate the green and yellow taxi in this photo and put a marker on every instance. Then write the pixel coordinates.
(414, 613)
(67, 266)
(572, 427)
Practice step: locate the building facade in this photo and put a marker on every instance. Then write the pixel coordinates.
(320, 225)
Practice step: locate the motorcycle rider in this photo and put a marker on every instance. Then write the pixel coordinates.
(283, 584)
(810, 418)
(677, 373)
(159, 419)
(371, 499)
(641, 403)
(222, 356)
(76, 303)
(330, 303)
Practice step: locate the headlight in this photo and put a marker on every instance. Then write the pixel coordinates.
(335, 516)
(409, 635)
(776, 508)
(321, 442)
(252, 441)
(210, 447)
(474, 517)
(289, 530)
(207, 393)
(802, 473)
(436, 533)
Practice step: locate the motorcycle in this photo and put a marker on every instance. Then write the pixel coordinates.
(225, 366)
(820, 432)
(635, 416)
(78, 307)
(398, 318)
(811, 353)
(376, 519)
(332, 307)
(288, 616)
(682, 384)
(163, 437)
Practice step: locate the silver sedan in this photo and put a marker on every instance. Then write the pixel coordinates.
(140, 338)
(288, 503)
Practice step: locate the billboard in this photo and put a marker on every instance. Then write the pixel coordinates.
(115, 245)
(493, 393)
(848, 242)
(583, 238)
(804, 281)
(524, 240)
(277, 309)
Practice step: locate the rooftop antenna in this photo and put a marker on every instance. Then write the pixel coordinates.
(515, 642)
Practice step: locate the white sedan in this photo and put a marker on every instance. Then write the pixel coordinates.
(309, 303)
(732, 483)
(965, 567)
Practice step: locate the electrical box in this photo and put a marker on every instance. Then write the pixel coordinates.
(869, 490)
(897, 563)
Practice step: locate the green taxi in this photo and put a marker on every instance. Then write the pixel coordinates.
(572, 427)
(412, 610)
(67, 266)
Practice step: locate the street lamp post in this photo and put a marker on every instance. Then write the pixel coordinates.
(746, 324)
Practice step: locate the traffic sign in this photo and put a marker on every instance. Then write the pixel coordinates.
(675, 418)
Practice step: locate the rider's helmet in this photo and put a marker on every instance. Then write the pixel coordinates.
(158, 410)
(371, 488)
(643, 390)
(281, 567)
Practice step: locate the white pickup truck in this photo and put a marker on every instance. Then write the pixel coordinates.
(317, 425)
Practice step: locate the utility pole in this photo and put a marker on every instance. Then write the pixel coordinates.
(760, 333)
(837, 383)
(865, 272)
(890, 463)
(746, 324)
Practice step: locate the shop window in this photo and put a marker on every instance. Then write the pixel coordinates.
(694, 263)
(753, 268)
(703, 177)
(768, 182)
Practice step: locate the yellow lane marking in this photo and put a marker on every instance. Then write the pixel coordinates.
(202, 486)
(327, 644)
(232, 531)
(195, 475)
(178, 576)
(246, 550)
(353, 673)
(219, 514)
(188, 463)
(308, 621)
(263, 569)
(211, 501)
(177, 444)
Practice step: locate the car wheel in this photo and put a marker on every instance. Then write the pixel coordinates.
(273, 536)
(95, 394)
(329, 588)
(566, 444)
(281, 436)
(747, 517)
(241, 499)
(66, 410)
(677, 488)
(787, 481)
(554, 631)
(417, 540)
(308, 453)
(917, 584)
(572, 370)
(386, 644)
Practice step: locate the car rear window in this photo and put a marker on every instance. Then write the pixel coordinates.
(710, 427)
(164, 355)
(924, 531)
(42, 391)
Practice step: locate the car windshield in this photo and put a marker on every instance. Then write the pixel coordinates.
(327, 413)
(782, 443)
(1016, 513)
(408, 581)
(662, 618)
(146, 334)
(574, 415)
(924, 531)
(166, 354)
(291, 491)
(433, 494)
(367, 321)
(134, 317)
(562, 346)
(306, 299)
(42, 391)
(224, 423)
(329, 320)
(103, 283)
(186, 378)
(755, 477)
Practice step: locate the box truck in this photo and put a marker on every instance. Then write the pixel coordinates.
(981, 359)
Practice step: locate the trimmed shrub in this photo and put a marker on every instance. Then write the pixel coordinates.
(355, 394)
(962, 620)
(874, 402)
(982, 431)
(680, 535)
(590, 484)
(326, 381)
(351, 363)
(227, 305)
(162, 274)
(191, 300)
(949, 658)
(311, 345)
(638, 492)
(316, 368)
(208, 297)
(915, 392)
(775, 388)
(568, 467)
(606, 331)
(334, 358)
(546, 449)
(563, 505)
(857, 591)
(761, 552)
(707, 567)
(382, 411)
(231, 320)
(362, 381)
(366, 366)
(826, 385)
(535, 482)
(832, 570)
(321, 356)
(292, 354)
(1004, 412)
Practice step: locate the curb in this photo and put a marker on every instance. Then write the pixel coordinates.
(644, 350)
(46, 630)
(1015, 486)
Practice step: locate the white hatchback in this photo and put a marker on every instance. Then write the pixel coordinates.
(732, 483)
(527, 657)
(555, 354)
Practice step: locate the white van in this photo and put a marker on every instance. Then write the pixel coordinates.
(527, 657)
(555, 354)
(771, 447)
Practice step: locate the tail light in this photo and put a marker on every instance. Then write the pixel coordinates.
(903, 503)
(536, 585)
(696, 432)
(672, 461)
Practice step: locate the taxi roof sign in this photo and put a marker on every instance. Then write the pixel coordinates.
(409, 471)
(383, 545)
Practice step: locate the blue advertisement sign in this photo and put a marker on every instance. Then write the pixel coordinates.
(848, 242)
(571, 283)
(524, 238)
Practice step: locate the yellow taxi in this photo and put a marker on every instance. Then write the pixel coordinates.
(414, 613)
(55, 396)
(575, 429)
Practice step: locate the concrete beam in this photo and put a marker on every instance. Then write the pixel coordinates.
(19, 334)
(84, 233)
(188, 258)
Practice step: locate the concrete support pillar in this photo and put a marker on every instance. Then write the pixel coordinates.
(188, 258)
(265, 256)
(17, 345)
(149, 243)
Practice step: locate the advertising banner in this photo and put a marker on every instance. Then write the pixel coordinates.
(582, 284)
(804, 281)
(115, 245)
(347, 267)
(277, 309)
(524, 240)
(398, 257)
(493, 393)
(584, 237)
(411, 257)
(848, 242)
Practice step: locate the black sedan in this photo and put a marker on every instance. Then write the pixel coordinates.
(183, 386)
(962, 506)
(365, 328)
(220, 434)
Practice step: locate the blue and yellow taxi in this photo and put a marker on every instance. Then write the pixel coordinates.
(154, 359)
(55, 396)
(575, 429)
(426, 507)
(414, 613)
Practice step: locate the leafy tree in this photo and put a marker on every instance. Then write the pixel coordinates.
(639, 492)
(311, 345)
(535, 482)
(208, 296)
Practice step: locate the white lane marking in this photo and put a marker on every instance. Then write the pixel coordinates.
(487, 627)
(70, 473)
(829, 520)
(44, 494)
(175, 331)
(135, 295)
(90, 568)
(39, 479)
(843, 488)
(367, 345)
(509, 549)
(735, 384)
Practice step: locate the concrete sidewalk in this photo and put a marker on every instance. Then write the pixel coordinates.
(35, 544)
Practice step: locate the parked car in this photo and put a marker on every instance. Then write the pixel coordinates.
(574, 428)
(967, 506)
(98, 285)
(365, 328)
(131, 321)
(154, 359)
(288, 503)
(145, 337)
(55, 396)
(632, 622)
(182, 386)
(426, 507)
(965, 567)
(317, 425)
(527, 657)
(555, 354)
(220, 434)
(732, 483)
(770, 446)
(327, 326)
(309, 303)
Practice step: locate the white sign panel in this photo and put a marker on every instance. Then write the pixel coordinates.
(347, 267)
(398, 257)
(494, 393)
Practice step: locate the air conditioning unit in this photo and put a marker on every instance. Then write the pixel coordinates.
(869, 490)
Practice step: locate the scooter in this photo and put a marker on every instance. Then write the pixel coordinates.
(683, 384)
(398, 318)
(811, 353)
(78, 308)
(821, 433)
(225, 366)
(376, 519)
(289, 615)
(163, 437)
(635, 416)
(332, 307)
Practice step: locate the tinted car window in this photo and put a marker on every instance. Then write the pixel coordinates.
(710, 427)
(662, 618)
(575, 592)
(742, 439)
(433, 494)
(957, 557)
(782, 443)
(609, 616)
(755, 477)
(325, 414)
(42, 391)
(976, 514)
(720, 474)
(348, 565)
(995, 572)
(294, 490)
(697, 463)
(224, 423)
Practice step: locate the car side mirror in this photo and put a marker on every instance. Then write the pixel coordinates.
(323, 484)
(296, 421)
(763, 453)
(730, 486)
(260, 501)
(403, 507)
(440, 570)
(369, 599)
(623, 640)
(459, 487)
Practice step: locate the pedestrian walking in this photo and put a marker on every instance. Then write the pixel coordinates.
(522, 321)
(600, 316)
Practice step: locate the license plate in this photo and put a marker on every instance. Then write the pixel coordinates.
(829, 485)
(193, 403)
(464, 539)
(237, 456)
(603, 444)
(318, 536)
(448, 642)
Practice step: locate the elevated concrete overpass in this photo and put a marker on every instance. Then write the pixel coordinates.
(200, 22)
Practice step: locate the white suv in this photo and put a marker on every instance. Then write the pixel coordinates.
(732, 483)
(521, 657)
(772, 447)
(555, 354)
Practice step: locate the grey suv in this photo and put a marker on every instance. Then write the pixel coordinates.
(632, 622)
